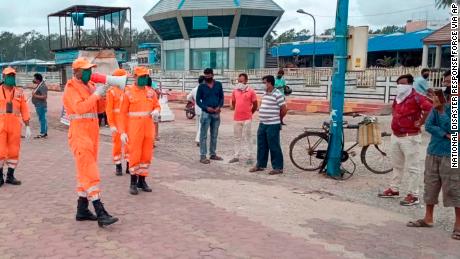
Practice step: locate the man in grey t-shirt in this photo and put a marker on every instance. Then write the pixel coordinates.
(39, 96)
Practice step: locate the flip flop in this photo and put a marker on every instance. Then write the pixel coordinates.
(420, 223)
(456, 235)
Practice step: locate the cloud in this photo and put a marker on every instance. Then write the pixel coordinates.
(25, 15)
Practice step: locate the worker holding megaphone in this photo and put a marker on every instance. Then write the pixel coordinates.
(114, 99)
(139, 108)
(81, 98)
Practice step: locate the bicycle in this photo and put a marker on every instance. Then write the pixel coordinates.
(311, 157)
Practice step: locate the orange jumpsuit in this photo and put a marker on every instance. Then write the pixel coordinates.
(10, 124)
(82, 109)
(137, 122)
(114, 99)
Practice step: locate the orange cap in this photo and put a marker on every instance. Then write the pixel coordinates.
(141, 71)
(82, 63)
(120, 72)
(9, 70)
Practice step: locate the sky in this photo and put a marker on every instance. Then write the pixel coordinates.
(24, 15)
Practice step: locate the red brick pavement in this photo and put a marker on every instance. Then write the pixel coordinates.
(37, 219)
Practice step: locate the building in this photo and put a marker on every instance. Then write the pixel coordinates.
(149, 54)
(236, 38)
(403, 49)
(440, 39)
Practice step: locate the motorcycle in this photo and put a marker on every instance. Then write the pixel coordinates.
(190, 110)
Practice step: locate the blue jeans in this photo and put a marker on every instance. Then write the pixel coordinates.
(209, 122)
(268, 142)
(41, 112)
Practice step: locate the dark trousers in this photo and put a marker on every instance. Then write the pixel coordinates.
(102, 117)
(268, 142)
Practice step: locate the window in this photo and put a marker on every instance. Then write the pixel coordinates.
(175, 60)
(212, 58)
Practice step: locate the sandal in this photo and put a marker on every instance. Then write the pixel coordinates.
(420, 223)
(456, 235)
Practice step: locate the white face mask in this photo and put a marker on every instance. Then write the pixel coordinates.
(402, 92)
(241, 86)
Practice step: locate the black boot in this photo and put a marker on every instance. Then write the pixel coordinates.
(103, 218)
(141, 184)
(10, 177)
(127, 168)
(118, 170)
(83, 213)
(132, 187)
(1, 177)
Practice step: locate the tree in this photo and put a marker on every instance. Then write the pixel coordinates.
(388, 30)
(293, 35)
(329, 31)
(441, 4)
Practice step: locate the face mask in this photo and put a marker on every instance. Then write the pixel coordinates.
(10, 80)
(279, 76)
(209, 79)
(241, 86)
(425, 76)
(86, 75)
(402, 92)
(142, 81)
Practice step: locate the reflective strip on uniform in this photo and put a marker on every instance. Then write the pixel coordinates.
(12, 163)
(116, 110)
(144, 166)
(82, 194)
(139, 114)
(83, 116)
(91, 189)
(116, 157)
(94, 196)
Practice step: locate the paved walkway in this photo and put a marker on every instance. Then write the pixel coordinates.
(197, 211)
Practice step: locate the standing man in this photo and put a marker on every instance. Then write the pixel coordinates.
(410, 110)
(191, 97)
(272, 111)
(438, 172)
(81, 99)
(421, 84)
(244, 102)
(139, 109)
(210, 98)
(13, 108)
(280, 82)
(39, 96)
(114, 99)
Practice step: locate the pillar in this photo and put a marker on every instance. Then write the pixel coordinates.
(231, 54)
(425, 56)
(437, 60)
(186, 55)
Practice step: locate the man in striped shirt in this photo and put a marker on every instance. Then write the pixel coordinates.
(271, 112)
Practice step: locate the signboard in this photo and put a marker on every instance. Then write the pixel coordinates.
(357, 48)
(200, 22)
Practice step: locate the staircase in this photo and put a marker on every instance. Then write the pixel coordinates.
(270, 61)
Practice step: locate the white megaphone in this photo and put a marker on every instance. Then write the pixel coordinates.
(119, 81)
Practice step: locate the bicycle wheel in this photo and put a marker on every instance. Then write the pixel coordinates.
(376, 158)
(304, 149)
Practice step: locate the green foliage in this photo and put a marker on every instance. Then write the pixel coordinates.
(388, 30)
(441, 4)
(33, 44)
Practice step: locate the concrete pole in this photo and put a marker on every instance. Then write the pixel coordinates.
(425, 56)
(437, 61)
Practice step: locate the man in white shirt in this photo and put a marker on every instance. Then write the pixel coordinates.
(192, 97)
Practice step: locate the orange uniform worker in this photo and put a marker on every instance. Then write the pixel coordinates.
(81, 104)
(13, 108)
(114, 99)
(139, 108)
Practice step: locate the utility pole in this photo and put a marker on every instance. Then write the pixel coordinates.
(338, 90)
